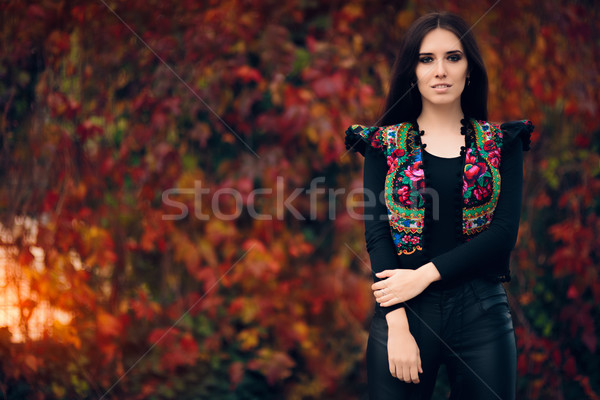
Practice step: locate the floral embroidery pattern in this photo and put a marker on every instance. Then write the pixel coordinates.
(406, 205)
(405, 177)
(481, 178)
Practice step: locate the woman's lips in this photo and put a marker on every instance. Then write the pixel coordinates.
(441, 88)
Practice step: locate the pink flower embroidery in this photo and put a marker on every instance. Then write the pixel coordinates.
(392, 159)
(482, 192)
(404, 195)
(473, 168)
(415, 172)
(494, 158)
(410, 239)
(490, 145)
(416, 175)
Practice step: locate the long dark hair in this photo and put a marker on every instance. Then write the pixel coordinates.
(403, 102)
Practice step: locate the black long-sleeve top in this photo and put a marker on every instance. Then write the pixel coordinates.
(487, 254)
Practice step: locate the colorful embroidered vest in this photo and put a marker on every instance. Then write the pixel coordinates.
(405, 179)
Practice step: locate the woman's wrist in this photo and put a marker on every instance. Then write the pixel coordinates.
(430, 273)
(397, 319)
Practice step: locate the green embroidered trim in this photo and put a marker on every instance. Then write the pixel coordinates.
(477, 219)
(482, 138)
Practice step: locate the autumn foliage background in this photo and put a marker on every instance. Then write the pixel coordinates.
(106, 105)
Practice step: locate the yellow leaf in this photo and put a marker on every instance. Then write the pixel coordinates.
(248, 339)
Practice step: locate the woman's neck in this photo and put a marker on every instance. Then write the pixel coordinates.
(437, 117)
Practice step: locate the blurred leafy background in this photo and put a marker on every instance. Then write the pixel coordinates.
(106, 104)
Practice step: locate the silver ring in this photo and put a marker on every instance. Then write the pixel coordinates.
(382, 292)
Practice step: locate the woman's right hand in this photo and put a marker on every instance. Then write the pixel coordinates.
(403, 354)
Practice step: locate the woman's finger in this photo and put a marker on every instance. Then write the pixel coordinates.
(386, 302)
(385, 299)
(386, 273)
(405, 374)
(414, 374)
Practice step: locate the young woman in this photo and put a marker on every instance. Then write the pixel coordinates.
(443, 194)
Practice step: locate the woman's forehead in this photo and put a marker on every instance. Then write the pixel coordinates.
(440, 41)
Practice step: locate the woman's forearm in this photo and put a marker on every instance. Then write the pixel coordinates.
(397, 319)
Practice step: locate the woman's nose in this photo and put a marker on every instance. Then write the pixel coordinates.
(440, 69)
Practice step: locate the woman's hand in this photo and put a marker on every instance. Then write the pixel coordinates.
(399, 285)
(403, 355)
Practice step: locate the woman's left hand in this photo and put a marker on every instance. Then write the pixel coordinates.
(399, 285)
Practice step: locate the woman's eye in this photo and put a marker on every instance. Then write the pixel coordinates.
(454, 57)
(425, 60)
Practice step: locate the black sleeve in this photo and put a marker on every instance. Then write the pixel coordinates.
(495, 243)
(380, 246)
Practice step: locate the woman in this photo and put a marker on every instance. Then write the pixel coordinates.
(440, 235)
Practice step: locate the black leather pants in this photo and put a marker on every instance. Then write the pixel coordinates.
(468, 328)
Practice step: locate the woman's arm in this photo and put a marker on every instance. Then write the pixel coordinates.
(403, 352)
(380, 246)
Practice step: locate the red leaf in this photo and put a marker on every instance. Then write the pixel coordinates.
(570, 367)
(87, 130)
(25, 257)
(176, 354)
(236, 373)
(582, 141)
(58, 104)
(274, 365)
(58, 43)
(329, 85)
(36, 11)
(248, 74)
(162, 337)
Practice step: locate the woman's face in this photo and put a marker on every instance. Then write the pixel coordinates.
(442, 68)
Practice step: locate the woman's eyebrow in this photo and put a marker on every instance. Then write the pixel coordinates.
(448, 52)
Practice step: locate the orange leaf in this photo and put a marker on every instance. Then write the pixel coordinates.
(108, 325)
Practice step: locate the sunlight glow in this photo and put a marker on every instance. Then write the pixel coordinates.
(21, 311)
